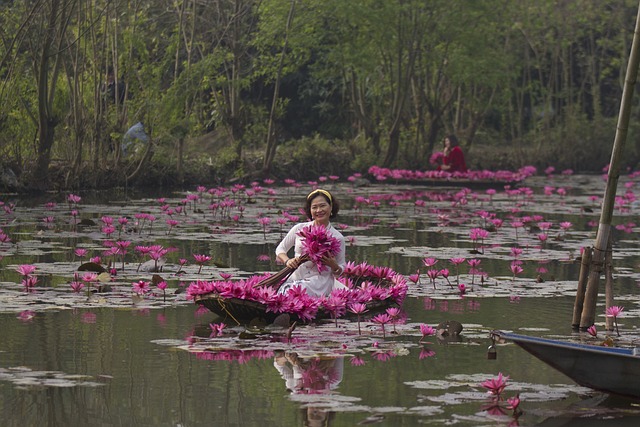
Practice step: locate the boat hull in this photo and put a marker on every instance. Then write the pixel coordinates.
(608, 369)
(246, 311)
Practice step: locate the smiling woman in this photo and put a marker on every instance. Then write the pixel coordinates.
(320, 207)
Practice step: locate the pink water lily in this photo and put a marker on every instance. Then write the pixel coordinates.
(317, 243)
(201, 260)
(382, 319)
(140, 287)
(433, 275)
(77, 286)
(26, 269)
(426, 331)
(614, 311)
(358, 309)
(429, 262)
(496, 386)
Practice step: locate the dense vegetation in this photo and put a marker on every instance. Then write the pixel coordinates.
(292, 88)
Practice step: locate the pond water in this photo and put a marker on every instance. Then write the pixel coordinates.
(116, 358)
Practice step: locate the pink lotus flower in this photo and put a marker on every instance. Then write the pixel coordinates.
(80, 252)
(516, 251)
(426, 331)
(592, 331)
(433, 275)
(201, 260)
(429, 262)
(516, 269)
(72, 198)
(140, 287)
(77, 286)
(26, 269)
(614, 311)
(415, 278)
(436, 158)
(382, 319)
(29, 282)
(496, 386)
(513, 403)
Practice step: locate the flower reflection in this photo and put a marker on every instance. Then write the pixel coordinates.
(426, 353)
(357, 361)
(88, 317)
(309, 375)
(26, 315)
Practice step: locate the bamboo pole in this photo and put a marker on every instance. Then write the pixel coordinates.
(582, 286)
(608, 283)
(604, 227)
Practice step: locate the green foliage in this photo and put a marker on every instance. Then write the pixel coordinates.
(310, 157)
(529, 78)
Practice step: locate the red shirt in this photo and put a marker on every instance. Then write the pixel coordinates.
(456, 160)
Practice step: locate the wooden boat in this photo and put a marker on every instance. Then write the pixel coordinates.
(244, 311)
(611, 370)
(249, 310)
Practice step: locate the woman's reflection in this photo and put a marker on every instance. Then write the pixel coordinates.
(310, 375)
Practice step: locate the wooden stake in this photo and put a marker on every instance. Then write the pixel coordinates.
(582, 286)
(608, 283)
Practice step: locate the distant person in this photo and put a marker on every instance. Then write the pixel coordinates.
(453, 158)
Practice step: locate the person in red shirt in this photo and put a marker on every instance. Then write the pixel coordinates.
(453, 159)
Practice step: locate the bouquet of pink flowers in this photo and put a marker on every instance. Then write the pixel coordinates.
(317, 243)
(436, 158)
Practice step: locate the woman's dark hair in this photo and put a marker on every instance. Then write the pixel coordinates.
(453, 139)
(335, 206)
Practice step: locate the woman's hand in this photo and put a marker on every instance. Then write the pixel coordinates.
(293, 263)
(332, 264)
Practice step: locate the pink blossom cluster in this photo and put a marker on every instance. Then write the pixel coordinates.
(386, 284)
(382, 174)
(317, 243)
(436, 158)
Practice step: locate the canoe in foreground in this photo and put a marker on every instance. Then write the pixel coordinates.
(245, 311)
(612, 370)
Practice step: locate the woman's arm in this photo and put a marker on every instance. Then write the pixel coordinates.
(285, 246)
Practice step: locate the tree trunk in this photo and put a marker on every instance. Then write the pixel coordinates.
(270, 151)
(46, 78)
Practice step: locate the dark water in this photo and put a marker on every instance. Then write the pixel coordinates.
(115, 361)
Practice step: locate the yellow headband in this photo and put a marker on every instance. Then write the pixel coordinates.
(326, 193)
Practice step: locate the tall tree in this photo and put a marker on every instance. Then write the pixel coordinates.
(49, 46)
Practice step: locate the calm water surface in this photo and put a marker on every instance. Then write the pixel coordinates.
(116, 361)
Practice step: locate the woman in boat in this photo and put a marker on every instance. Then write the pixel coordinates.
(320, 207)
(453, 158)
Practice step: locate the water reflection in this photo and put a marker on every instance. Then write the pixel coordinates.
(133, 342)
(310, 375)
